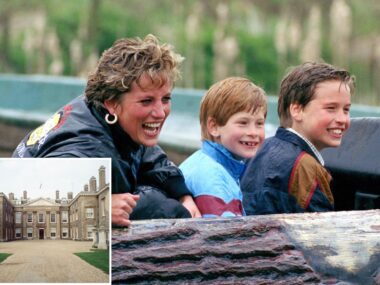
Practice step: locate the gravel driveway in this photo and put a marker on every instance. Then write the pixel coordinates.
(48, 261)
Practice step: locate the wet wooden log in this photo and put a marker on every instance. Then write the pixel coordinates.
(315, 248)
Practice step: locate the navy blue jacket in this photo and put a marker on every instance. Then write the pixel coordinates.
(79, 130)
(285, 177)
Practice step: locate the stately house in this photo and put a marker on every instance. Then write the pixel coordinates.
(84, 217)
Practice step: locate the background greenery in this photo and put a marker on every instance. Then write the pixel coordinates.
(258, 39)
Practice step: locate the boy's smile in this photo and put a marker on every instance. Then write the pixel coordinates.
(324, 119)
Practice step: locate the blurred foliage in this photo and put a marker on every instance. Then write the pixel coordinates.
(66, 20)
(253, 24)
(259, 55)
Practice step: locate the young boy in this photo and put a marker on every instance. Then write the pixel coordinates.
(287, 174)
(232, 117)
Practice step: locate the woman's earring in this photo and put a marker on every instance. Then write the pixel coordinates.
(111, 121)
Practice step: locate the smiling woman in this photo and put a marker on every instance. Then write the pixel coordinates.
(126, 102)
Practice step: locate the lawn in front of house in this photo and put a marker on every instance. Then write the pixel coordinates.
(97, 257)
(3, 256)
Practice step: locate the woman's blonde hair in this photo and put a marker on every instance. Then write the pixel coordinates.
(228, 97)
(126, 62)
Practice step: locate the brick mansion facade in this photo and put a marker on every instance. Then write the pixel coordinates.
(83, 217)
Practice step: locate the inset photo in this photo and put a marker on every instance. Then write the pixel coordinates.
(55, 220)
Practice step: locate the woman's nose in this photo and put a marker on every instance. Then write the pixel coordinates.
(159, 111)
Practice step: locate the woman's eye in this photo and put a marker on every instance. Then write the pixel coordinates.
(146, 102)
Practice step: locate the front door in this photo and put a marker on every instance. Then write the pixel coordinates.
(41, 234)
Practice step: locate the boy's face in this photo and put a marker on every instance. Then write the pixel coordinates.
(324, 119)
(243, 133)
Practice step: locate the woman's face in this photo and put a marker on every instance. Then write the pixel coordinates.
(143, 110)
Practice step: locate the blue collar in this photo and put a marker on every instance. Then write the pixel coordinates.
(224, 157)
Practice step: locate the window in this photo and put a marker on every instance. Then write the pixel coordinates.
(52, 218)
(65, 232)
(52, 232)
(103, 206)
(89, 213)
(90, 234)
(18, 233)
(18, 218)
(40, 217)
(30, 218)
(64, 217)
(30, 232)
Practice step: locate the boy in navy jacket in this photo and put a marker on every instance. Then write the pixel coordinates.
(287, 174)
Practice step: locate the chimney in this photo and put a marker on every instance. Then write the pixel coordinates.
(11, 196)
(85, 187)
(57, 194)
(69, 195)
(25, 195)
(102, 177)
(92, 184)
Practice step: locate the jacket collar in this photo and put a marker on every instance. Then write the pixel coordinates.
(312, 147)
(296, 139)
(224, 157)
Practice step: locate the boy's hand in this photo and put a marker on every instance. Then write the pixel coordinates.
(188, 202)
(122, 207)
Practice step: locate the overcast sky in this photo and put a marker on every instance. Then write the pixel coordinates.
(42, 177)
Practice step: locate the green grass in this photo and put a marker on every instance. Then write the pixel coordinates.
(98, 258)
(3, 256)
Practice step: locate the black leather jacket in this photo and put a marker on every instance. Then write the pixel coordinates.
(79, 130)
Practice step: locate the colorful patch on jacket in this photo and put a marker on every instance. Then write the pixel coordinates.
(208, 204)
(307, 175)
(54, 122)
